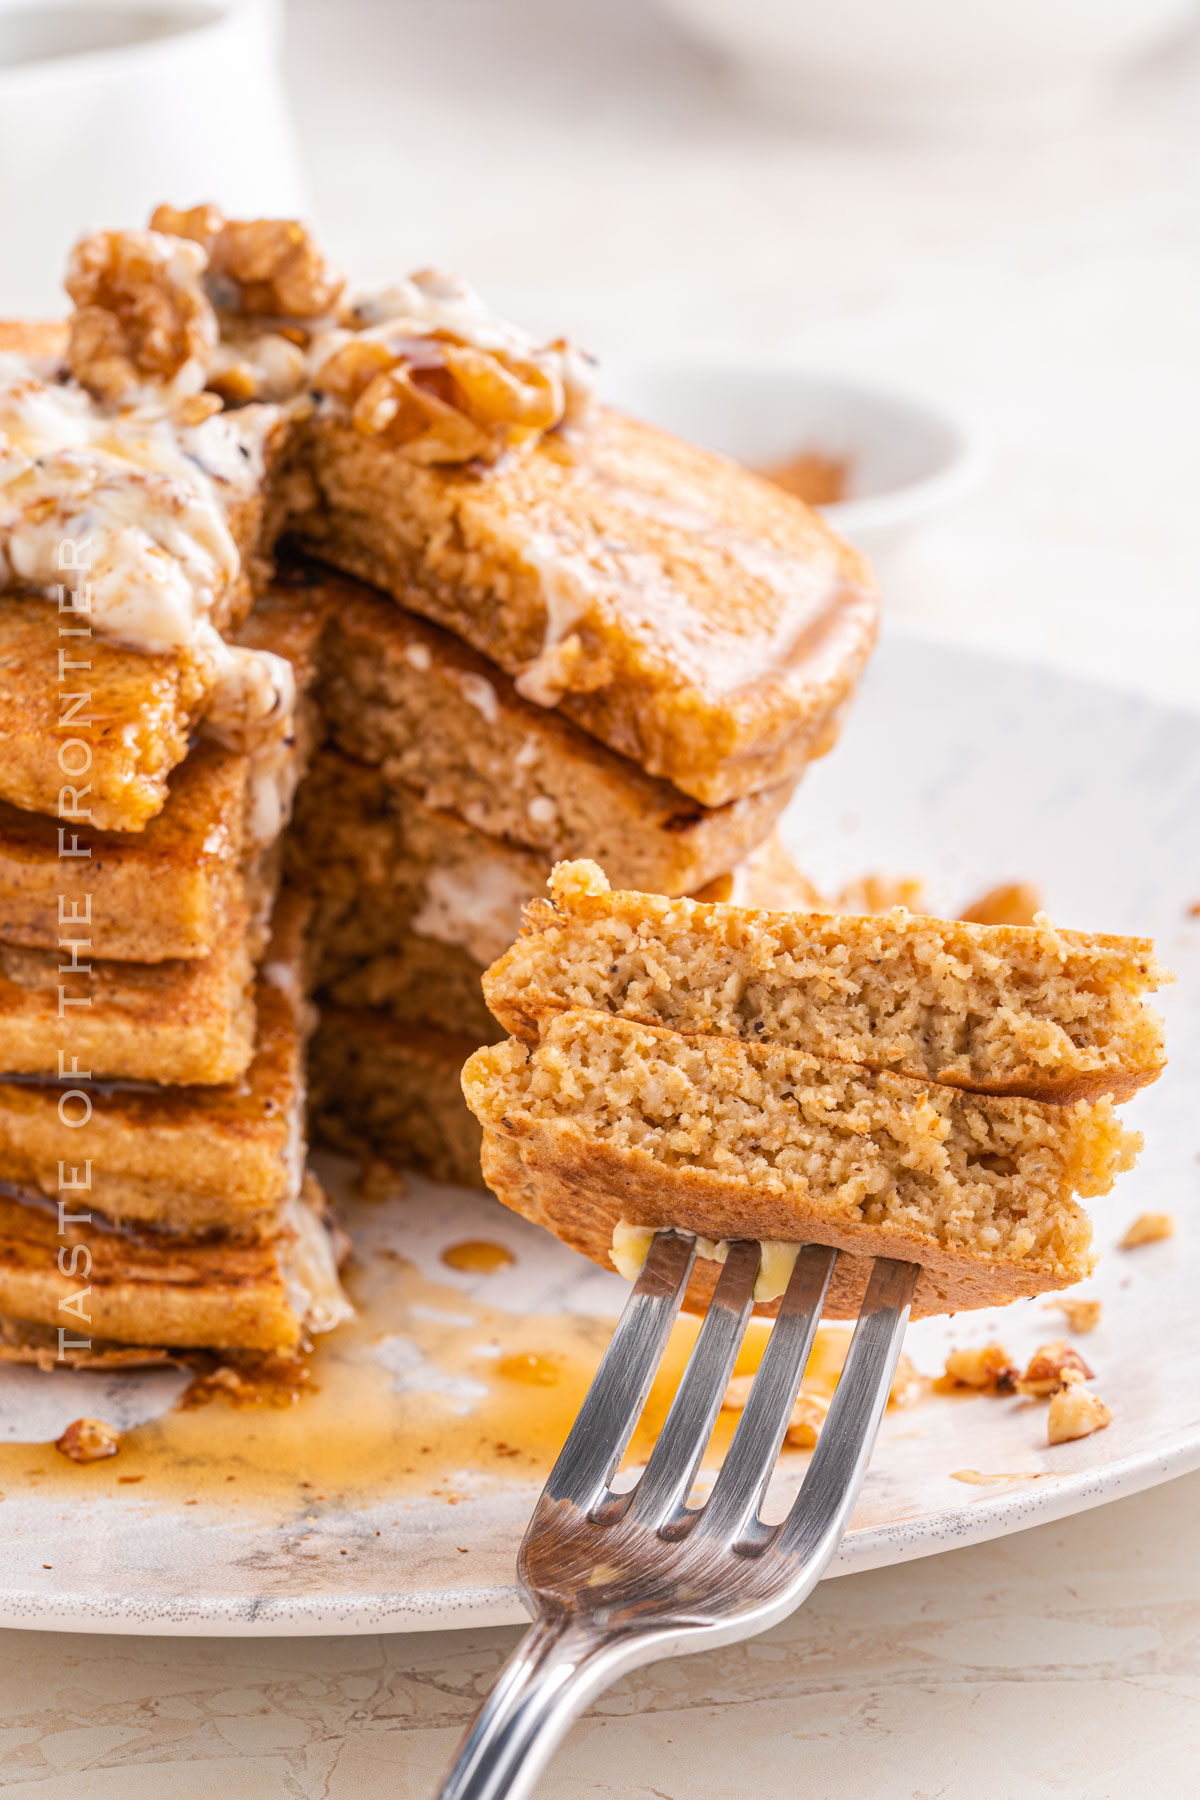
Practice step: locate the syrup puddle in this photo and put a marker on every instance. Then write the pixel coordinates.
(426, 1394)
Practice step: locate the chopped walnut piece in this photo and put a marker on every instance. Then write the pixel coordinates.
(907, 1386)
(987, 1367)
(439, 401)
(808, 1414)
(1052, 1367)
(199, 223)
(433, 371)
(1013, 903)
(142, 319)
(1082, 1315)
(1075, 1412)
(279, 270)
(1148, 1228)
(804, 1426)
(88, 1440)
(275, 268)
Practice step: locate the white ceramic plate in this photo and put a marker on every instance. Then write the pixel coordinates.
(906, 459)
(964, 769)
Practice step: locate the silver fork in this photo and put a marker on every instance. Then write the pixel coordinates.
(615, 1580)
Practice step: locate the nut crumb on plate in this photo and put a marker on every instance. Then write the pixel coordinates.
(1148, 1228)
(1082, 1315)
(1051, 1367)
(1075, 1412)
(88, 1440)
(988, 1368)
(1013, 903)
(804, 1426)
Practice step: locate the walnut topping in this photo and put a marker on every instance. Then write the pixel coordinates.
(808, 1414)
(804, 1426)
(1148, 1228)
(1075, 1412)
(88, 1440)
(199, 223)
(432, 371)
(142, 319)
(274, 267)
(1051, 1368)
(1082, 1315)
(1015, 903)
(988, 1368)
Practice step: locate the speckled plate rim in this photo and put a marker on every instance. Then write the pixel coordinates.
(1041, 1503)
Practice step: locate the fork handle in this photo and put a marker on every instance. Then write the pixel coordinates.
(556, 1670)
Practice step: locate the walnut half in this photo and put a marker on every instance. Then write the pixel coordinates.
(273, 267)
(142, 319)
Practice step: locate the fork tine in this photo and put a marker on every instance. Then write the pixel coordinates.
(751, 1457)
(597, 1440)
(660, 1494)
(822, 1508)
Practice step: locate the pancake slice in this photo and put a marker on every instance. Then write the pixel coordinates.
(1056, 1015)
(183, 1159)
(138, 1287)
(606, 1123)
(163, 892)
(691, 616)
(440, 720)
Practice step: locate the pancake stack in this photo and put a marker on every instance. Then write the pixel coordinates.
(231, 779)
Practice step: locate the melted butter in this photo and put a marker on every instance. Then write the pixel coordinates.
(476, 1256)
(422, 1395)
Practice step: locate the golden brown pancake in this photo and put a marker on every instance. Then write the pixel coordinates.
(184, 1159)
(135, 1287)
(690, 615)
(439, 719)
(1005, 1009)
(606, 1123)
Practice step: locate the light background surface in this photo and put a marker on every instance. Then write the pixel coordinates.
(590, 172)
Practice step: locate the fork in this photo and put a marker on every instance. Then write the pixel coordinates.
(617, 1579)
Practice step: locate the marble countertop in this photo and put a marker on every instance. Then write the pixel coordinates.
(591, 171)
(1060, 1664)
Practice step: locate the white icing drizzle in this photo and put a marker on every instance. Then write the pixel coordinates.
(142, 502)
(310, 1269)
(568, 587)
(476, 906)
(478, 692)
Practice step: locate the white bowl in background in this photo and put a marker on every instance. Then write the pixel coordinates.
(905, 459)
(959, 65)
(109, 106)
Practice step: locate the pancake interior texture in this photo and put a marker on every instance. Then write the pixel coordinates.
(898, 1085)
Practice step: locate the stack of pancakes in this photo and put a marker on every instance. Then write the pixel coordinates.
(229, 782)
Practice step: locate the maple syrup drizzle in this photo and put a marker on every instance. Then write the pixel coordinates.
(425, 1394)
